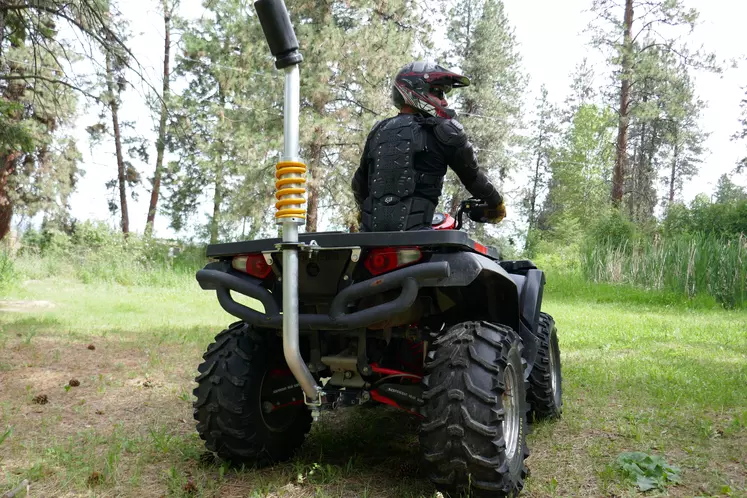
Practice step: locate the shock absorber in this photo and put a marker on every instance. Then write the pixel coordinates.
(290, 184)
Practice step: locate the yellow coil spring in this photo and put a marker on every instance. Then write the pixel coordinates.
(290, 189)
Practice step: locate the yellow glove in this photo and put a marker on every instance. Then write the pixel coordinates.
(496, 214)
(485, 214)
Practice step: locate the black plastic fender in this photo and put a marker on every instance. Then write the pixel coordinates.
(530, 287)
(522, 314)
(531, 297)
(475, 271)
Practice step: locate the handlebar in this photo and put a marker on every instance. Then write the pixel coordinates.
(470, 206)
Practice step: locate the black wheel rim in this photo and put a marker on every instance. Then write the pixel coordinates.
(279, 412)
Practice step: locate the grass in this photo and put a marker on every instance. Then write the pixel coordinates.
(643, 372)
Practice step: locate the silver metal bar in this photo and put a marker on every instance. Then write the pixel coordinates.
(291, 111)
(291, 346)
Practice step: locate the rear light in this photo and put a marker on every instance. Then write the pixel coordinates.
(253, 264)
(385, 259)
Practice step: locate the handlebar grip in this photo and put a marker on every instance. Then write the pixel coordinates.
(278, 30)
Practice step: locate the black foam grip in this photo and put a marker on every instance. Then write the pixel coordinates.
(276, 24)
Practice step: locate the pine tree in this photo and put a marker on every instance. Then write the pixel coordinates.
(227, 124)
(542, 144)
(617, 29)
(484, 46)
(728, 192)
(583, 90)
(683, 137)
(38, 159)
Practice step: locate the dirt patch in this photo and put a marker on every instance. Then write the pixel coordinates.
(25, 306)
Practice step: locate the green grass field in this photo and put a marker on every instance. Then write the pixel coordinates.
(642, 372)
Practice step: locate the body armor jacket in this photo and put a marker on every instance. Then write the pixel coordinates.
(399, 181)
(393, 203)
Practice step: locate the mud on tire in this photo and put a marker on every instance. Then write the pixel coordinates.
(473, 434)
(545, 394)
(233, 390)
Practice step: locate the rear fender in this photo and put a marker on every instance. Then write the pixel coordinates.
(482, 289)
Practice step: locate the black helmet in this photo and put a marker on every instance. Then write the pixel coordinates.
(413, 83)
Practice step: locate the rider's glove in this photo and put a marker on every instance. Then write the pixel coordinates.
(492, 214)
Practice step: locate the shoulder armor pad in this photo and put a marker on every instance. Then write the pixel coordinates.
(450, 132)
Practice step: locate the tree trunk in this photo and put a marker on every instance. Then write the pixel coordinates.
(121, 170)
(635, 175)
(535, 184)
(674, 171)
(2, 30)
(13, 93)
(312, 210)
(7, 168)
(621, 159)
(217, 201)
(161, 143)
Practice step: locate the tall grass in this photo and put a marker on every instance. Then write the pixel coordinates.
(689, 264)
(7, 270)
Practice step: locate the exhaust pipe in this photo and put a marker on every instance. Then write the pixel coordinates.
(290, 184)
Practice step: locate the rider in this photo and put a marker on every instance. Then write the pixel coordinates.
(400, 177)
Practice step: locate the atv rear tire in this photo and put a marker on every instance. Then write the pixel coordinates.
(545, 382)
(237, 410)
(474, 431)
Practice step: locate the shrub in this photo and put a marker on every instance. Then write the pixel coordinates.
(93, 252)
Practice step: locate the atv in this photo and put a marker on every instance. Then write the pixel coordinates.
(430, 322)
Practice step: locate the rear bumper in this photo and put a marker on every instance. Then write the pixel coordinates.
(408, 279)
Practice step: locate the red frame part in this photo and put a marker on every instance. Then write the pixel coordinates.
(378, 397)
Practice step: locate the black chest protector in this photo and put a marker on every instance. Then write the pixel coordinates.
(393, 203)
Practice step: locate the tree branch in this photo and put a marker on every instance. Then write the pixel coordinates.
(48, 80)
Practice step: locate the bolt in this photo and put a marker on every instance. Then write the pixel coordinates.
(346, 278)
(348, 374)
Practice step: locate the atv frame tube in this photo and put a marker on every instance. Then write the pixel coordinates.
(409, 279)
(281, 39)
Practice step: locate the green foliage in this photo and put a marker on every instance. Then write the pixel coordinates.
(648, 471)
(14, 135)
(614, 229)
(703, 216)
(92, 252)
(728, 192)
(580, 171)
